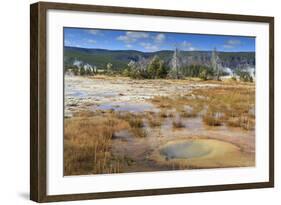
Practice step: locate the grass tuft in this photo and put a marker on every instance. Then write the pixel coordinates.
(178, 123)
(213, 119)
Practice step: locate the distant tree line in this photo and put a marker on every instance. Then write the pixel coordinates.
(155, 68)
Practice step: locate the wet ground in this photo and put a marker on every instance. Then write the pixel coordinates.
(123, 94)
(194, 145)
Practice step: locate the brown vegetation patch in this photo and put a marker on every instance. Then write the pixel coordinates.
(87, 142)
(166, 114)
(213, 118)
(188, 113)
(217, 105)
(178, 123)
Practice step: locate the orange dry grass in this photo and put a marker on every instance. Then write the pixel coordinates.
(88, 138)
(154, 120)
(87, 143)
(230, 105)
(178, 103)
(246, 122)
(213, 119)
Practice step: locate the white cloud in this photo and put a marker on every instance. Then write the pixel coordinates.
(228, 46)
(72, 43)
(185, 45)
(232, 43)
(94, 32)
(159, 38)
(149, 46)
(131, 36)
(91, 41)
(128, 46)
(67, 42)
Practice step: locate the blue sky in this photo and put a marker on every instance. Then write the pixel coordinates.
(154, 41)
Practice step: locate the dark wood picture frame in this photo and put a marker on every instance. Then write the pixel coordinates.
(38, 101)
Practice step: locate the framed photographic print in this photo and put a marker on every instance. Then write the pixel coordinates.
(134, 102)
